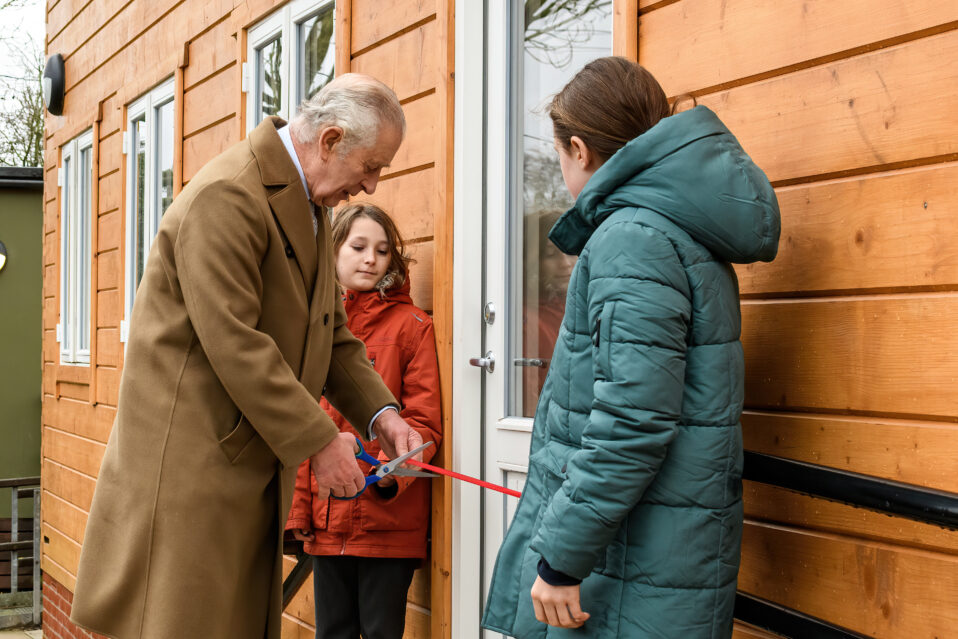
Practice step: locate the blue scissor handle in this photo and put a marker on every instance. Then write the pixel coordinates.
(370, 479)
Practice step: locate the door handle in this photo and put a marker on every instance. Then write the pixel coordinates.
(486, 362)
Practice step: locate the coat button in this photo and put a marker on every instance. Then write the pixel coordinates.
(325, 319)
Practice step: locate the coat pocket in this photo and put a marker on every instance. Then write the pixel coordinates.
(237, 440)
(602, 342)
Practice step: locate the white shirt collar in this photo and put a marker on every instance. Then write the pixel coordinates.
(284, 135)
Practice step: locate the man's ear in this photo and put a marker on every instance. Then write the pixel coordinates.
(328, 138)
(582, 154)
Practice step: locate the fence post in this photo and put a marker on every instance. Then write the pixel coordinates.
(36, 556)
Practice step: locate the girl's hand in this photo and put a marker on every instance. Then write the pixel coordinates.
(303, 535)
(557, 605)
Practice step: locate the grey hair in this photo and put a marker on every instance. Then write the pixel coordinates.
(358, 104)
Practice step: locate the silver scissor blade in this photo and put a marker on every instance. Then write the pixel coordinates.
(405, 472)
(393, 465)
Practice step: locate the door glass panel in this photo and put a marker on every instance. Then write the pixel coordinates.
(557, 39)
(139, 197)
(84, 252)
(269, 90)
(66, 228)
(164, 160)
(317, 52)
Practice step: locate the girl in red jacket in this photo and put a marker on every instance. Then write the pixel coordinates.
(366, 549)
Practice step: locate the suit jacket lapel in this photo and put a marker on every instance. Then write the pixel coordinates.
(288, 200)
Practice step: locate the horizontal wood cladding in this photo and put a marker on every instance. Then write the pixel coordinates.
(375, 20)
(771, 504)
(411, 200)
(67, 484)
(883, 354)
(914, 452)
(63, 551)
(409, 64)
(868, 111)
(880, 590)
(204, 146)
(211, 51)
(80, 453)
(744, 631)
(208, 103)
(422, 131)
(884, 232)
(692, 46)
(420, 274)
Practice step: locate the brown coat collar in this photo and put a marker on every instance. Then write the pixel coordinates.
(288, 197)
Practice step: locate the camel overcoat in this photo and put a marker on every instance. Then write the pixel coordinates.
(237, 330)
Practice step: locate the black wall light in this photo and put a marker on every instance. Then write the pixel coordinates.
(3, 256)
(54, 84)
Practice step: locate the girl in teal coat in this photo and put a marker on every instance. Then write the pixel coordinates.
(630, 521)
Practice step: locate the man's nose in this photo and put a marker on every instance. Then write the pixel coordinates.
(369, 184)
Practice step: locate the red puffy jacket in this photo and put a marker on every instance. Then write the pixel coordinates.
(401, 345)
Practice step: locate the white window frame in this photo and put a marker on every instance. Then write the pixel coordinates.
(281, 24)
(76, 250)
(145, 108)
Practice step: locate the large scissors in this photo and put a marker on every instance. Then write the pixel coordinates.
(385, 468)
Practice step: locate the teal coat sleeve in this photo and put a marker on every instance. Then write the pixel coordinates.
(639, 310)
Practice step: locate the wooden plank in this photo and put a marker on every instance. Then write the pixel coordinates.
(869, 111)
(202, 147)
(874, 589)
(61, 13)
(64, 516)
(342, 37)
(99, 428)
(410, 199)
(409, 64)
(110, 305)
(215, 49)
(49, 383)
(75, 452)
(374, 20)
(417, 624)
(886, 354)
(51, 350)
(422, 128)
(293, 629)
(206, 102)
(745, 631)
(420, 275)
(303, 606)
(625, 29)
(62, 550)
(888, 231)
(71, 390)
(111, 155)
(108, 385)
(67, 484)
(111, 195)
(65, 414)
(108, 347)
(419, 588)
(58, 572)
(51, 248)
(690, 48)
(111, 272)
(776, 505)
(112, 112)
(913, 452)
(51, 308)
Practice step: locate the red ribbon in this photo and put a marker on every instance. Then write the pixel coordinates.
(471, 480)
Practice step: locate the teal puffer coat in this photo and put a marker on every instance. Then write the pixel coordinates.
(635, 468)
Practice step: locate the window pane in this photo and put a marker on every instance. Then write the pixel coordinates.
(66, 228)
(317, 52)
(139, 198)
(558, 38)
(84, 249)
(269, 90)
(164, 159)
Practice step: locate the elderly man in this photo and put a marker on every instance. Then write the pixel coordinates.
(237, 330)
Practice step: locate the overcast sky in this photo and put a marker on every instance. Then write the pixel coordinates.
(15, 24)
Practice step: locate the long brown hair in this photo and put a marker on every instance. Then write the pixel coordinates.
(399, 261)
(609, 102)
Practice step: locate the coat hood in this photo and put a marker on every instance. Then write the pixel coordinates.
(690, 169)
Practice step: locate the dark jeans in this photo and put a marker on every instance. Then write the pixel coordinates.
(361, 596)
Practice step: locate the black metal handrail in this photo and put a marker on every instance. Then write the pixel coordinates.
(28, 487)
(855, 489)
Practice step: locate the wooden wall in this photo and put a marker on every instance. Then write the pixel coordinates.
(850, 335)
(115, 51)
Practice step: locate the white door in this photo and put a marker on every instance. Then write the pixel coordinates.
(510, 281)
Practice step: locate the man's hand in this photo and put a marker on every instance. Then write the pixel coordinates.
(335, 468)
(396, 437)
(557, 605)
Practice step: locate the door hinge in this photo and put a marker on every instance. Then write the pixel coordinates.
(244, 82)
(124, 330)
(126, 142)
(59, 333)
(60, 177)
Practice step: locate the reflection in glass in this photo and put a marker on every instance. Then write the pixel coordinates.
(139, 197)
(559, 37)
(269, 93)
(164, 160)
(317, 52)
(84, 249)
